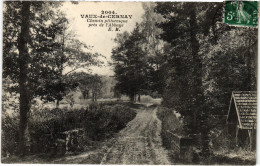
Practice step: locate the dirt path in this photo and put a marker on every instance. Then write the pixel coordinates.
(138, 143)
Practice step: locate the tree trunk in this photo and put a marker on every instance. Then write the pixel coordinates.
(200, 113)
(132, 98)
(94, 97)
(57, 103)
(23, 80)
(84, 95)
(139, 98)
(197, 92)
(87, 95)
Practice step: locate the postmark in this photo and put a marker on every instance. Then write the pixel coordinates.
(241, 13)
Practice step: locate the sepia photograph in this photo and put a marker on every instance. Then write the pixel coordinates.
(133, 83)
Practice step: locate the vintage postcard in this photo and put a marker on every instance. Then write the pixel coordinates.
(138, 83)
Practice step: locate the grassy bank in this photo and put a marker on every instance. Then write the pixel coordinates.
(170, 124)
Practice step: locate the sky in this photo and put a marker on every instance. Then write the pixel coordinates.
(99, 37)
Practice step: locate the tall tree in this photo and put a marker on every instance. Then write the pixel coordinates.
(70, 54)
(130, 62)
(33, 54)
(22, 48)
(23, 40)
(153, 47)
(87, 84)
(185, 25)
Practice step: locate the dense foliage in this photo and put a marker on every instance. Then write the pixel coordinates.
(192, 59)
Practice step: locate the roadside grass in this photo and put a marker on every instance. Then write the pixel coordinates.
(237, 156)
(225, 151)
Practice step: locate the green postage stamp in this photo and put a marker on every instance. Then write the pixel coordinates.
(241, 13)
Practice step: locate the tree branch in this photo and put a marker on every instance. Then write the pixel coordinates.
(73, 70)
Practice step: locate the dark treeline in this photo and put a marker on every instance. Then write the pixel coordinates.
(184, 53)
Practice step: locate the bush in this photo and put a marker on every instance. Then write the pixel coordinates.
(169, 119)
(106, 119)
(222, 141)
(9, 134)
(100, 121)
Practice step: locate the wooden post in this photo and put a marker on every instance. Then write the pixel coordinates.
(253, 136)
(237, 128)
(250, 139)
